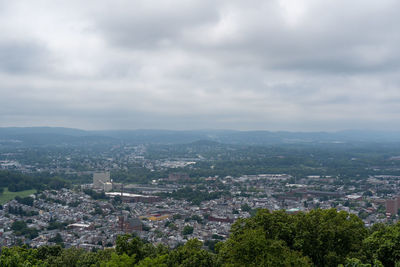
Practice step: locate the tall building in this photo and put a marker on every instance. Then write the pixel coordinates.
(392, 206)
(102, 180)
(129, 225)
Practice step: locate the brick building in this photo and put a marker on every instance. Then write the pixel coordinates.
(393, 206)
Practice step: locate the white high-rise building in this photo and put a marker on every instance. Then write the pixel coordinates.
(100, 179)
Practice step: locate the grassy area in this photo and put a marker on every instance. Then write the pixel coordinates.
(7, 195)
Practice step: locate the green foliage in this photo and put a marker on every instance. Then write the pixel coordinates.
(94, 194)
(177, 216)
(25, 200)
(97, 211)
(20, 228)
(245, 207)
(74, 204)
(159, 261)
(211, 244)
(190, 255)
(7, 195)
(252, 248)
(45, 252)
(384, 245)
(197, 218)
(316, 238)
(56, 225)
(18, 225)
(57, 239)
(19, 256)
(119, 261)
(327, 237)
(354, 262)
(19, 182)
(68, 257)
(134, 246)
(187, 230)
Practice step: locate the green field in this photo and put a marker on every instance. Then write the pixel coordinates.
(7, 195)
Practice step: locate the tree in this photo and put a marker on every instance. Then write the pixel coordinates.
(19, 256)
(18, 225)
(117, 200)
(245, 207)
(368, 193)
(190, 255)
(119, 261)
(187, 230)
(45, 252)
(131, 245)
(160, 261)
(354, 262)
(68, 257)
(384, 245)
(251, 248)
(327, 237)
(26, 200)
(57, 239)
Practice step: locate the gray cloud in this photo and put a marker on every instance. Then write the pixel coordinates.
(150, 24)
(277, 65)
(21, 57)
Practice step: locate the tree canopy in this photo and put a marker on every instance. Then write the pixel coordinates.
(317, 238)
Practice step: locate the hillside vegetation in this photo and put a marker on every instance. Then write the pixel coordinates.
(317, 238)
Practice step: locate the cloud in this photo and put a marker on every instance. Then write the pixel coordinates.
(278, 65)
(22, 57)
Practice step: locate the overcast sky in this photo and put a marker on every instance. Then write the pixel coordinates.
(199, 64)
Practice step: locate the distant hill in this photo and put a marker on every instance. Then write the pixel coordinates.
(250, 137)
(43, 136)
(58, 135)
(5, 131)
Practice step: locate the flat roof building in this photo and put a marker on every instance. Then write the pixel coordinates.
(128, 197)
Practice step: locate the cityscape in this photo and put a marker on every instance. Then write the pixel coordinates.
(171, 210)
(149, 133)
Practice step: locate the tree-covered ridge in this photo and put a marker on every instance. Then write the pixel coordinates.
(317, 238)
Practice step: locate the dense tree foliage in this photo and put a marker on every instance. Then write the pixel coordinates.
(94, 194)
(21, 228)
(16, 181)
(24, 200)
(327, 237)
(384, 245)
(316, 238)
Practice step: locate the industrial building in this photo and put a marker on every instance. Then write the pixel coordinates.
(128, 197)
